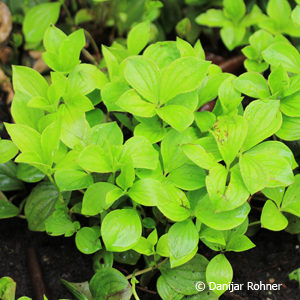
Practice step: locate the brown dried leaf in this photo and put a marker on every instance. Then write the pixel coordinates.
(5, 22)
(6, 86)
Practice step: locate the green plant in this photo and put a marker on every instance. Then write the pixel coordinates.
(8, 290)
(131, 150)
(233, 20)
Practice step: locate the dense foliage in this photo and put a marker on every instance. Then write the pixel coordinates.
(126, 160)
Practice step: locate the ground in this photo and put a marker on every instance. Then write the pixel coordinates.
(275, 256)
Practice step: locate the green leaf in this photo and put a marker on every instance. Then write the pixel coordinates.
(8, 150)
(282, 53)
(29, 173)
(40, 205)
(198, 155)
(22, 113)
(175, 205)
(138, 38)
(60, 222)
(219, 220)
(291, 202)
(74, 128)
(162, 53)
(112, 64)
(275, 194)
(121, 230)
(53, 38)
(188, 177)
(131, 102)
(232, 36)
(65, 56)
(239, 243)
(296, 15)
(86, 78)
(143, 75)
(126, 178)
(94, 159)
(264, 119)
(212, 238)
(25, 138)
(236, 192)
(230, 133)
(162, 247)
(37, 20)
(219, 271)
(150, 128)
(70, 180)
(183, 242)
(147, 192)
(212, 18)
(215, 185)
(106, 133)
(278, 80)
(50, 140)
(185, 48)
(29, 81)
(295, 275)
(178, 116)
(252, 84)
(290, 129)
(290, 105)
(8, 177)
(209, 87)
(141, 152)
(111, 92)
(97, 198)
(7, 209)
(109, 283)
(87, 240)
(272, 218)
(268, 164)
(80, 290)
(280, 11)
(182, 279)
(7, 288)
(234, 9)
(165, 291)
(176, 77)
(204, 120)
(229, 97)
(172, 154)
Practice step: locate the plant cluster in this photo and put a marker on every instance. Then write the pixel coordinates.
(124, 158)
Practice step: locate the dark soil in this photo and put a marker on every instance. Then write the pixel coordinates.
(275, 256)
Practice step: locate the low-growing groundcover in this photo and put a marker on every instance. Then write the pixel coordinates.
(127, 162)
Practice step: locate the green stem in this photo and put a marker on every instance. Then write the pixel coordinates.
(254, 223)
(94, 45)
(67, 11)
(146, 270)
(89, 57)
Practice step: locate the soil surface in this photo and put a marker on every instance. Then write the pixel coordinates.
(275, 256)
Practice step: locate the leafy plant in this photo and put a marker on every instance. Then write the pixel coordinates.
(233, 20)
(130, 149)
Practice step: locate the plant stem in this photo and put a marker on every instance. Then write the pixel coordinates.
(89, 57)
(67, 10)
(146, 270)
(94, 45)
(254, 223)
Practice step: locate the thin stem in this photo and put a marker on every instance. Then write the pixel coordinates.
(21, 216)
(254, 223)
(89, 57)
(146, 270)
(67, 10)
(94, 45)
